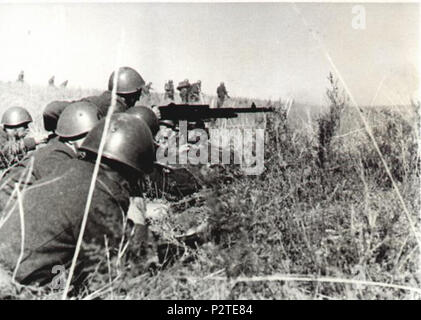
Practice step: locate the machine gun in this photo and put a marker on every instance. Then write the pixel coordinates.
(203, 112)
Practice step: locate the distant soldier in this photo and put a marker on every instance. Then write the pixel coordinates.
(129, 89)
(147, 89)
(64, 84)
(195, 90)
(222, 93)
(184, 88)
(51, 82)
(21, 77)
(54, 206)
(74, 124)
(169, 90)
(14, 143)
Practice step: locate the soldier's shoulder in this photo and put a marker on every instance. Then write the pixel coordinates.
(103, 101)
(79, 166)
(73, 169)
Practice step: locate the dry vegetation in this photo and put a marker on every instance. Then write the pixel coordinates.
(323, 221)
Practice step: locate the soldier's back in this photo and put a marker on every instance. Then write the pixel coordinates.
(221, 91)
(54, 208)
(34, 167)
(103, 102)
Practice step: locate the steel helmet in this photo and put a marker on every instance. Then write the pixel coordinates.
(128, 81)
(16, 116)
(147, 115)
(129, 141)
(52, 112)
(76, 119)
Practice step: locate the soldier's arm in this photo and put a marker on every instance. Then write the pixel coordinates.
(29, 144)
(24, 145)
(16, 174)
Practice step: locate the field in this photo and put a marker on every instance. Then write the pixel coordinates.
(325, 220)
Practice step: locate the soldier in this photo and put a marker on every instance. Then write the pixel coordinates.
(51, 81)
(184, 88)
(64, 84)
(14, 142)
(195, 90)
(53, 221)
(21, 77)
(169, 90)
(222, 92)
(73, 125)
(129, 89)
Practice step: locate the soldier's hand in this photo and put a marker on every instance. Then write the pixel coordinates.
(157, 112)
(40, 137)
(156, 211)
(137, 210)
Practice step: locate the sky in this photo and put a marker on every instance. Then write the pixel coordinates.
(264, 50)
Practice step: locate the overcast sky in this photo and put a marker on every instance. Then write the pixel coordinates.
(259, 50)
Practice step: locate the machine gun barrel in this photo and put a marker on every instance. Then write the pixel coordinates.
(203, 112)
(248, 110)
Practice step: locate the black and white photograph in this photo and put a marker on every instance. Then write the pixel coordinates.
(210, 151)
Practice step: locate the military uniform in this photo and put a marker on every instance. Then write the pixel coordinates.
(184, 88)
(45, 161)
(13, 151)
(103, 102)
(222, 92)
(169, 91)
(194, 93)
(53, 209)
